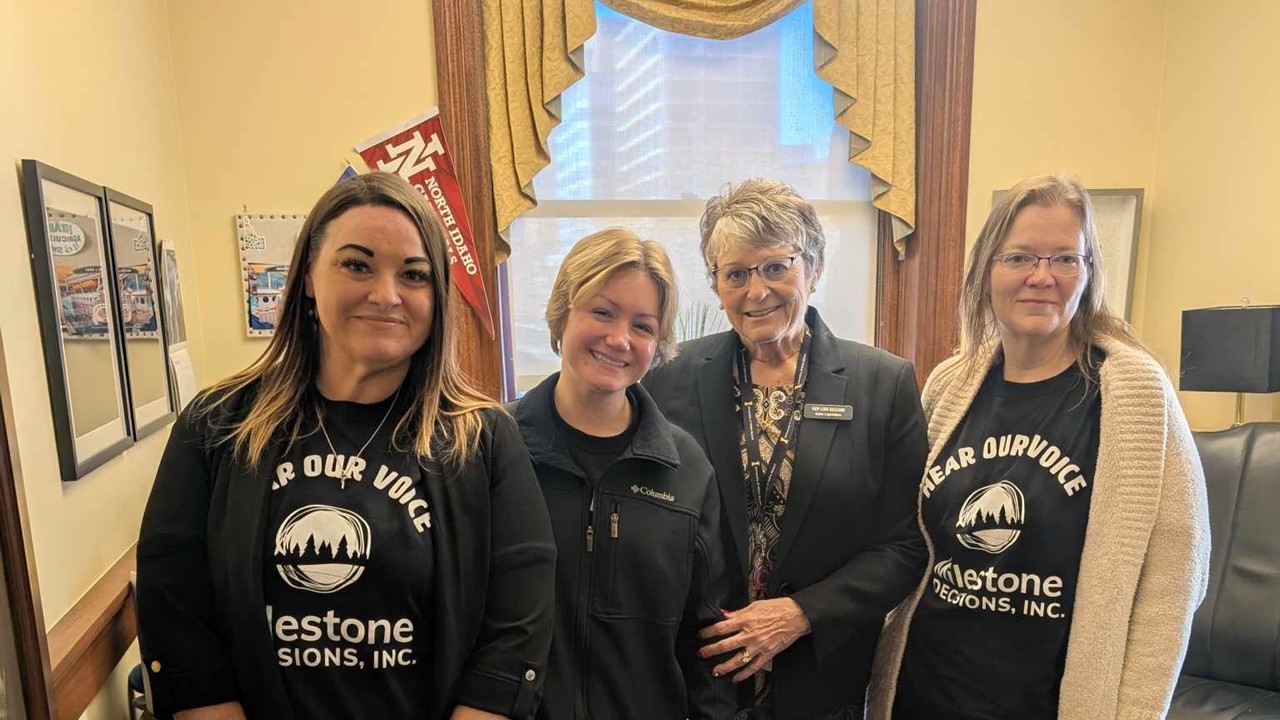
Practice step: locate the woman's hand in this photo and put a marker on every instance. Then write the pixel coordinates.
(223, 711)
(463, 712)
(754, 635)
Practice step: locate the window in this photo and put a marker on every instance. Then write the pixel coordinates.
(660, 123)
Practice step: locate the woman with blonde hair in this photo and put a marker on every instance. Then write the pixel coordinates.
(346, 528)
(1063, 500)
(633, 500)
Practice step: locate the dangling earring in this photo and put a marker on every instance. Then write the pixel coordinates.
(312, 320)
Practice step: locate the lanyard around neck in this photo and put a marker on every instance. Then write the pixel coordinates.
(761, 476)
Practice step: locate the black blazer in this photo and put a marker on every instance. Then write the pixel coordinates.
(202, 621)
(851, 548)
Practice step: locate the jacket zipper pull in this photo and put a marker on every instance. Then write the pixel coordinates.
(591, 523)
(613, 522)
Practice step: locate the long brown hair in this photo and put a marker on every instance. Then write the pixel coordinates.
(1093, 320)
(443, 413)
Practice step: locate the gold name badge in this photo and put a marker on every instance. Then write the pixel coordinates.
(814, 411)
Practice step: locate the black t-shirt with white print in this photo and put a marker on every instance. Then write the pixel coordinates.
(1005, 504)
(349, 572)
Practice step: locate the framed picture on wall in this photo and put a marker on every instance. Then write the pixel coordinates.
(149, 386)
(1118, 216)
(182, 372)
(171, 288)
(76, 299)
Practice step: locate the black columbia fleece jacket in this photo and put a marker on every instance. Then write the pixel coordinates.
(631, 598)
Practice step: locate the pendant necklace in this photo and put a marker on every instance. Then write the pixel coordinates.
(347, 472)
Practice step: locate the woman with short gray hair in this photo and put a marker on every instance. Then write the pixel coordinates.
(818, 444)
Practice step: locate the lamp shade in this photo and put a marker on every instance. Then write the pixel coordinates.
(1231, 349)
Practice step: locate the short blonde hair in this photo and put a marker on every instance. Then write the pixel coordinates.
(760, 213)
(598, 257)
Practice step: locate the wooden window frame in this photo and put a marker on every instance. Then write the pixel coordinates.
(58, 673)
(916, 296)
(22, 593)
(458, 29)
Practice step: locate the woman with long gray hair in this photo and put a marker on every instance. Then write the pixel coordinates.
(1063, 500)
(346, 528)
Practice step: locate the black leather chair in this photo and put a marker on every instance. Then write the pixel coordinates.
(1232, 668)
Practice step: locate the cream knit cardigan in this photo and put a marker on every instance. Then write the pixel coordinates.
(1145, 563)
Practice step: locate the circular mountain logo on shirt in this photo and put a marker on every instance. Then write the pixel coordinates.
(991, 518)
(322, 548)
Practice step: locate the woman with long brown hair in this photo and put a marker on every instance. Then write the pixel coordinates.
(346, 528)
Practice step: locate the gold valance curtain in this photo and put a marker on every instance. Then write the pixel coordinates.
(864, 48)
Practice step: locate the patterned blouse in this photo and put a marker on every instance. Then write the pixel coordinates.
(764, 525)
(772, 403)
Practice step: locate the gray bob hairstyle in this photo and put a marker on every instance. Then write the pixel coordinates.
(760, 213)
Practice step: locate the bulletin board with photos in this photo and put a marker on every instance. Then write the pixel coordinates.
(266, 243)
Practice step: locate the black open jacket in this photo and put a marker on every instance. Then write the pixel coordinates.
(630, 601)
(850, 548)
(202, 620)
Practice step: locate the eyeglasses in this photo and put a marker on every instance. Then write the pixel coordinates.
(773, 270)
(1025, 263)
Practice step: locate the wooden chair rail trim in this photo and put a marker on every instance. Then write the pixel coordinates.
(87, 643)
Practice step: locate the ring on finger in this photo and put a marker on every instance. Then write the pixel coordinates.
(746, 656)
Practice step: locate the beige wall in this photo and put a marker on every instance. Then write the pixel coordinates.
(1218, 176)
(88, 88)
(1171, 96)
(272, 99)
(1063, 86)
